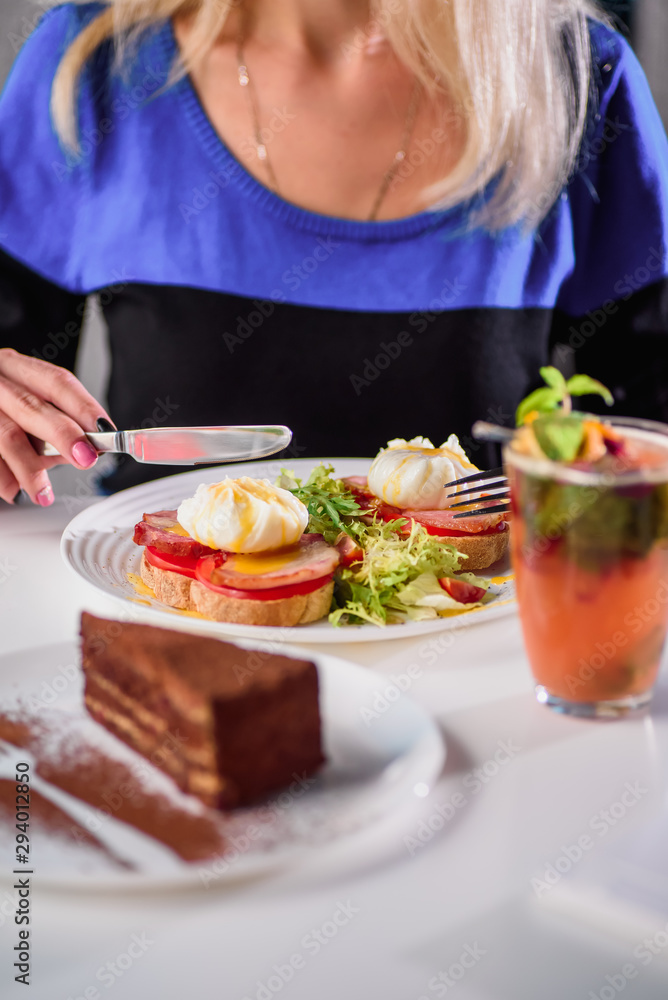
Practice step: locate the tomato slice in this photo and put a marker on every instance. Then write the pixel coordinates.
(459, 590)
(172, 563)
(432, 529)
(206, 566)
(349, 551)
(447, 521)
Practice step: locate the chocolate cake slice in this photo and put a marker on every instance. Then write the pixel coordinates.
(229, 725)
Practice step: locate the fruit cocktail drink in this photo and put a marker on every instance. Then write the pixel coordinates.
(589, 546)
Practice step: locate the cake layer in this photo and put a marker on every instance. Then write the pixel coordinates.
(196, 781)
(227, 724)
(193, 769)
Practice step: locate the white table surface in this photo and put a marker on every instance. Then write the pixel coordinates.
(469, 887)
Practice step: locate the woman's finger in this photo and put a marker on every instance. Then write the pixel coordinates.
(46, 461)
(53, 384)
(35, 416)
(22, 467)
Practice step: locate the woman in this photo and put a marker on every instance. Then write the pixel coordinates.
(364, 221)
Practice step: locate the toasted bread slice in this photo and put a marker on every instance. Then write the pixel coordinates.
(169, 588)
(482, 550)
(298, 610)
(180, 591)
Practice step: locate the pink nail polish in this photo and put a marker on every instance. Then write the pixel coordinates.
(84, 454)
(45, 496)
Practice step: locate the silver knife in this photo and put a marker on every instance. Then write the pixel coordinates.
(190, 445)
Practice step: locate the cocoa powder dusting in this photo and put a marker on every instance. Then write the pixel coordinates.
(111, 786)
(20, 731)
(78, 768)
(49, 819)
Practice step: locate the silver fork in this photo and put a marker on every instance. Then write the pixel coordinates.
(495, 478)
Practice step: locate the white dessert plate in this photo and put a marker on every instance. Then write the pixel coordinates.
(97, 544)
(383, 752)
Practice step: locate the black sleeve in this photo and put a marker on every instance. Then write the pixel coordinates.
(37, 317)
(624, 344)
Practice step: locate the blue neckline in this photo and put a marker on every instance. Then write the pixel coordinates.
(286, 211)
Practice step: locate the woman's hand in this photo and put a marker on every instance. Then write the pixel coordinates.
(48, 403)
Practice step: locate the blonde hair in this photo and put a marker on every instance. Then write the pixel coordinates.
(518, 74)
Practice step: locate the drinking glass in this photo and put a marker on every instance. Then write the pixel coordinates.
(590, 554)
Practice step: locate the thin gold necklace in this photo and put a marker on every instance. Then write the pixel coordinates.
(263, 153)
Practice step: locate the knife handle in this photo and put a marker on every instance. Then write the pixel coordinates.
(101, 443)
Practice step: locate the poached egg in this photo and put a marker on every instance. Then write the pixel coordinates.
(412, 474)
(243, 515)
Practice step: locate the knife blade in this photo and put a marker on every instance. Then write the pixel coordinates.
(190, 445)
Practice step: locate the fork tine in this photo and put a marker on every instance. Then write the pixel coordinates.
(476, 477)
(502, 495)
(502, 483)
(500, 509)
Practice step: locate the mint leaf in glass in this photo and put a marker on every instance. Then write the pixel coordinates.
(559, 437)
(558, 431)
(541, 401)
(553, 377)
(582, 385)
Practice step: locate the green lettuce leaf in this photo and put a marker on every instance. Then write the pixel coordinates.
(376, 590)
(368, 590)
(425, 591)
(329, 502)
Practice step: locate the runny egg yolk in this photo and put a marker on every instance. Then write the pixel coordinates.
(256, 563)
(176, 529)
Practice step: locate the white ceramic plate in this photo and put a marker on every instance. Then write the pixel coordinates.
(380, 764)
(97, 544)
